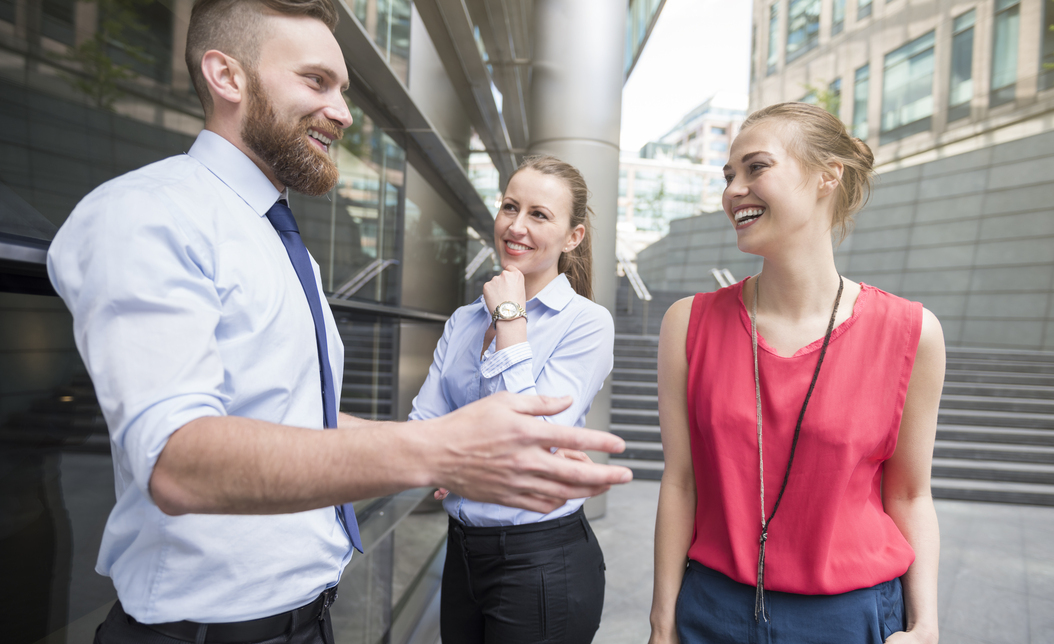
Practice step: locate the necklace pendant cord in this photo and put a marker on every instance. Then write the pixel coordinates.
(759, 595)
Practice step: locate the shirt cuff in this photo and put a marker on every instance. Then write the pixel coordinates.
(497, 362)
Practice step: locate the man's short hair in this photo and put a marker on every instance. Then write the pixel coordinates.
(235, 27)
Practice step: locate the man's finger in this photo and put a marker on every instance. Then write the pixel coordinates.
(534, 405)
(580, 438)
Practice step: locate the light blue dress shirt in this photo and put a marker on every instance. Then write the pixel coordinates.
(185, 304)
(569, 351)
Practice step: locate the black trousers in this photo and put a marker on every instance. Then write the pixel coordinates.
(120, 628)
(541, 582)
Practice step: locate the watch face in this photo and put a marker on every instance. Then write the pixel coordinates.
(508, 310)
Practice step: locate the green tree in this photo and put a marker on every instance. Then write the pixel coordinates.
(100, 74)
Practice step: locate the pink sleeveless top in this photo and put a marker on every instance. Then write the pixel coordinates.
(831, 534)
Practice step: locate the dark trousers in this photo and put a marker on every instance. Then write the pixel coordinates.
(714, 609)
(540, 582)
(120, 628)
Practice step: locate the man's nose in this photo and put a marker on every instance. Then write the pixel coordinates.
(338, 112)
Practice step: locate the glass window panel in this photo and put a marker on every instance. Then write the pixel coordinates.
(837, 17)
(139, 36)
(803, 27)
(863, 9)
(1004, 52)
(7, 11)
(860, 97)
(56, 20)
(1046, 53)
(834, 97)
(961, 89)
(773, 57)
(907, 84)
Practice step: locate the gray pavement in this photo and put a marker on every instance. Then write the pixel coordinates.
(996, 572)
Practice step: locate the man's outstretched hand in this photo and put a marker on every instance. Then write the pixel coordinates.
(496, 451)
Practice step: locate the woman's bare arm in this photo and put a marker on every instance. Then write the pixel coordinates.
(677, 494)
(906, 485)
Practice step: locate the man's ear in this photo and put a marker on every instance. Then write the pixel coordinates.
(225, 76)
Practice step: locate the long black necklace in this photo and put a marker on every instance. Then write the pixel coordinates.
(759, 597)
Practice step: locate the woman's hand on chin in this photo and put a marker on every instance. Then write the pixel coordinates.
(506, 286)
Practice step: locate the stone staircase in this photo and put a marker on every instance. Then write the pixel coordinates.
(995, 430)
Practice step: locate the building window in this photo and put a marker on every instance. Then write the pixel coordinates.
(860, 96)
(56, 20)
(7, 11)
(1004, 52)
(834, 97)
(809, 98)
(961, 90)
(907, 90)
(774, 20)
(718, 131)
(1046, 52)
(863, 9)
(719, 146)
(141, 38)
(803, 27)
(837, 17)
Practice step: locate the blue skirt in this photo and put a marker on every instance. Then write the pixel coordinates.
(714, 609)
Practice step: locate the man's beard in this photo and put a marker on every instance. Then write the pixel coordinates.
(296, 162)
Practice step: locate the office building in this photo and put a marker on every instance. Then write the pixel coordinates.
(92, 90)
(956, 99)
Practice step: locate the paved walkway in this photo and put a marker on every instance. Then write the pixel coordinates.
(996, 572)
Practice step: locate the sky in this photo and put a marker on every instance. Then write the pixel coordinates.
(697, 48)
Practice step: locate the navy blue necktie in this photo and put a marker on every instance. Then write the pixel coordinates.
(282, 219)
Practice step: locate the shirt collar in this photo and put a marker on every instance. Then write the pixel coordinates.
(237, 171)
(556, 293)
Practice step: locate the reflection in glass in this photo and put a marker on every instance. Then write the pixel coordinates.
(907, 89)
(388, 24)
(1004, 52)
(961, 90)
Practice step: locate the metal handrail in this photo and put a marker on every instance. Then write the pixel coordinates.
(723, 276)
(634, 277)
(373, 269)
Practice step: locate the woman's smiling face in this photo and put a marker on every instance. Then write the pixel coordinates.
(533, 227)
(769, 198)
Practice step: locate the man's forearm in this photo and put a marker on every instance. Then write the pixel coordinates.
(493, 450)
(231, 465)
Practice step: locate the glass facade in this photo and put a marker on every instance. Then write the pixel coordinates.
(90, 91)
(907, 89)
(960, 90)
(1004, 52)
(1046, 51)
(803, 27)
(861, 93)
(837, 17)
(639, 21)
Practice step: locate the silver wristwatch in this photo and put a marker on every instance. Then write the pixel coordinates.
(507, 311)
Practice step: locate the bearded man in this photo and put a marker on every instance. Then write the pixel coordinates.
(198, 313)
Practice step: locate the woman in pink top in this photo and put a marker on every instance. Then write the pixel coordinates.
(798, 413)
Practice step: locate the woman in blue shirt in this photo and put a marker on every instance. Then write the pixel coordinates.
(514, 575)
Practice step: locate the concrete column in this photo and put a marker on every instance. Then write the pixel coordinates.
(575, 115)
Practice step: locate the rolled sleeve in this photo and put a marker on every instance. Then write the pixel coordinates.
(145, 315)
(514, 364)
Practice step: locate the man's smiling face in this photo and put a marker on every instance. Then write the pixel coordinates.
(296, 107)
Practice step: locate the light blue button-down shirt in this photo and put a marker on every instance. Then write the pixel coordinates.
(185, 304)
(569, 351)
